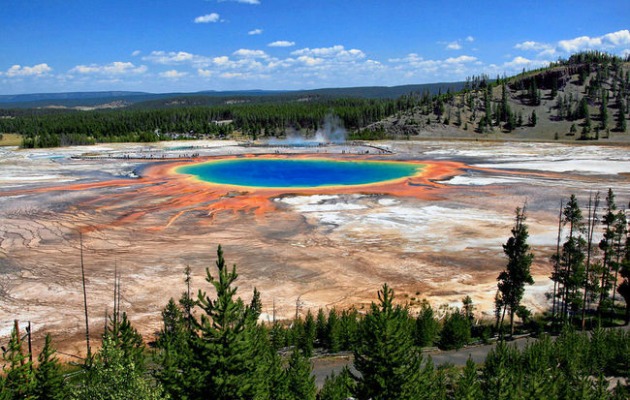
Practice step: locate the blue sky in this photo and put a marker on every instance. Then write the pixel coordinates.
(194, 45)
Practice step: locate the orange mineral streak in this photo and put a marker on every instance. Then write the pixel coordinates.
(165, 195)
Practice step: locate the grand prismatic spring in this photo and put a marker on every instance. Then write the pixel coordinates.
(299, 173)
(433, 230)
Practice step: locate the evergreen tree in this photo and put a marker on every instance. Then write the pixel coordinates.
(127, 339)
(348, 327)
(300, 382)
(606, 245)
(512, 280)
(306, 333)
(19, 380)
(603, 110)
(223, 352)
(333, 332)
(113, 375)
(174, 356)
(571, 274)
(427, 327)
(624, 287)
(320, 328)
(337, 387)
(499, 378)
(468, 385)
(49, 380)
(385, 356)
(455, 332)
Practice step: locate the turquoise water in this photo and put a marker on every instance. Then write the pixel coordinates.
(298, 173)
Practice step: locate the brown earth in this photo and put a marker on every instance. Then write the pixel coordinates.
(436, 237)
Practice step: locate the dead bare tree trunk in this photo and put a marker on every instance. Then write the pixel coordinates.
(85, 305)
(592, 219)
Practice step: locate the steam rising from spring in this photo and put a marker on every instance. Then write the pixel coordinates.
(331, 132)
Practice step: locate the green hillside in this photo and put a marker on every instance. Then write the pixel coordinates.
(586, 97)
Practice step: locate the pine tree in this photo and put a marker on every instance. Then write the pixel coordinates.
(223, 351)
(307, 333)
(455, 332)
(19, 380)
(113, 375)
(517, 273)
(572, 258)
(385, 356)
(621, 119)
(468, 385)
(300, 382)
(500, 380)
(427, 327)
(337, 387)
(49, 380)
(175, 354)
(333, 332)
(606, 245)
(320, 328)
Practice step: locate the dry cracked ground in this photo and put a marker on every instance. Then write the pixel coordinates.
(438, 238)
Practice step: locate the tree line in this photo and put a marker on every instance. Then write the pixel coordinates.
(256, 120)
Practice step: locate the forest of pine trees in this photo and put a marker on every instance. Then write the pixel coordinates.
(598, 102)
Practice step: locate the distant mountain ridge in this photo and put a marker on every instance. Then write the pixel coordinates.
(91, 99)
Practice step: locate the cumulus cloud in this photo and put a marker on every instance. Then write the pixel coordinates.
(247, 53)
(608, 42)
(255, 32)
(414, 66)
(206, 73)
(522, 62)
(453, 46)
(136, 53)
(173, 74)
(469, 39)
(35, 70)
(115, 68)
(281, 43)
(531, 45)
(337, 51)
(175, 57)
(460, 59)
(208, 18)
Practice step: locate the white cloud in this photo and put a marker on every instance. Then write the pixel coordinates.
(310, 61)
(232, 75)
(176, 57)
(610, 41)
(337, 51)
(136, 53)
(115, 68)
(208, 18)
(454, 46)
(469, 39)
(247, 53)
(204, 73)
(255, 32)
(460, 59)
(531, 45)
(35, 70)
(173, 74)
(607, 41)
(281, 43)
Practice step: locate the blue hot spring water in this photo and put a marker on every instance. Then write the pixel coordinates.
(298, 173)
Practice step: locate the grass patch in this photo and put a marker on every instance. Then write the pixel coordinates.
(10, 139)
